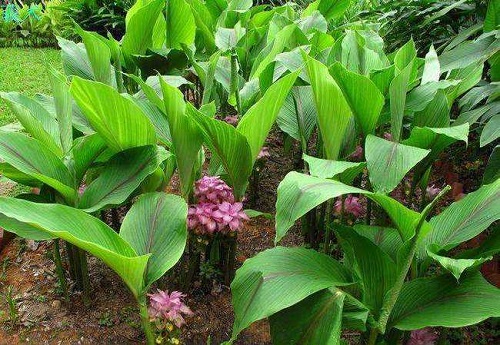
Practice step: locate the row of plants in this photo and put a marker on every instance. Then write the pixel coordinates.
(194, 89)
(30, 24)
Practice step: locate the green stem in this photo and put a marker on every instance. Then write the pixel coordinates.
(146, 324)
(84, 272)
(328, 232)
(60, 270)
(372, 340)
(234, 87)
(396, 289)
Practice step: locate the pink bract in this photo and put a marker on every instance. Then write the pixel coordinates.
(351, 206)
(424, 336)
(169, 307)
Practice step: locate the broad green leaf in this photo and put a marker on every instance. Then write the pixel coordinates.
(23, 230)
(75, 59)
(387, 239)
(363, 96)
(156, 225)
(186, 138)
(85, 232)
(464, 219)
(432, 69)
(85, 151)
(383, 78)
(436, 140)
(435, 114)
(8, 171)
(492, 20)
(181, 26)
(140, 24)
(376, 270)
(388, 162)
(340, 170)
(120, 177)
(297, 117)
(470, 52)
(276, 46)
(332, 108)
(455, 266)
(315, 320)
(492, 171)
(420, 97)
(259, 119)
(397, 94)
(268, 282)
(230, 146)
(239, 5)
(442, 301)
(300, 193)
(98, 53)
(227, 38)
(63, 106)
(491, 131)
(35, 119)
(117, 119)
(428, 138)
(32, 158)
(330, 9)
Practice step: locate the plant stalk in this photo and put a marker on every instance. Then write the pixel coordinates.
(146, 324)
(60, 270)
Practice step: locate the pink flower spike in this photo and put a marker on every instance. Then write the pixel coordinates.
(388, 136)
(424, 336)
(351, 206)
(168, 307)
(264, 152)
(431, 192)
(357, 154)
(232, 120)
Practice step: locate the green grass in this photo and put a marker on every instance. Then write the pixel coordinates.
(23, 70)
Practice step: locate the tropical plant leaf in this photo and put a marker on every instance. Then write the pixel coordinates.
(120, 177)
(442, 301)
(98, 53)
(117, 119)
(455, 266)
(315, 320)
(332, 108)
(85, 151)
(82, 230)
(156, 225)
(186, 137)
(63, 107)
(376, 269)
(364, 98)
(491, 131)
(464, 219)
(230, 146)
(268, 282)
(388, 162)
(140, 23)
(35, 119)
(300, 193)
(32, 158)
(297, 117)
(432, 70)
(181, 25)
(258, 120)
(340, 170)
